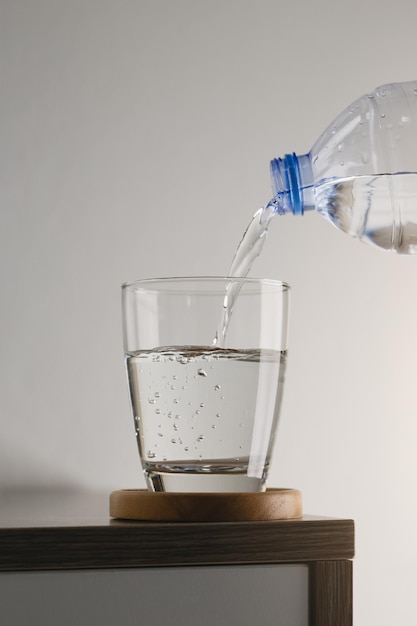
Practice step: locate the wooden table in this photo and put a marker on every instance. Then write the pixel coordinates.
(58, 531)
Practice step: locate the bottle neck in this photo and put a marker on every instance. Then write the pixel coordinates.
(293, 183)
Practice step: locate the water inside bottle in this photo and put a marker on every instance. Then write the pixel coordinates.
(380, 210)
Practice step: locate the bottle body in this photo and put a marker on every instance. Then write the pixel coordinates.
(361, 174)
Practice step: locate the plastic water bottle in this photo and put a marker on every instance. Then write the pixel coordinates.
(361, 174)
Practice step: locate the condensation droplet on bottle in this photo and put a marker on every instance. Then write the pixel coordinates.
(157, 411)
(160, 434)
(173, 441)
(200, 438)
(201, 405)
(217, 387)
(151, 400)
(213, 426)
(382, 115)
(150, 454)
(175, 427)
(157, 394)
(202, 372)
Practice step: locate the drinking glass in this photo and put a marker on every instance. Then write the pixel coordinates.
(205, 359)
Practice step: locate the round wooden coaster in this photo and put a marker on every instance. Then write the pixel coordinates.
(272, 504)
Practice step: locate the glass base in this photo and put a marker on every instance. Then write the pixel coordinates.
(203, 483)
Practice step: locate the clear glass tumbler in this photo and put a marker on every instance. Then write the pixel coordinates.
(205, 359)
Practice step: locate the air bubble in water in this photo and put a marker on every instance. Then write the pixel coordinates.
(150, 454)
(202, 372)
(217, 387)
(200, 438)
(157, 394)
(151, 400)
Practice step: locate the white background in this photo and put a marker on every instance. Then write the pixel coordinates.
(135, 140)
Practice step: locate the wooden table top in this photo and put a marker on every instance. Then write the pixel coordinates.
(43, 530)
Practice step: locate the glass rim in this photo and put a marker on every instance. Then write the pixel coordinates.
(206, 279)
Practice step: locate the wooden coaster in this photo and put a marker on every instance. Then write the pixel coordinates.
(139, 504)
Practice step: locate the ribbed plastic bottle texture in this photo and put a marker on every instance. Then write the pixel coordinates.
(361, 174)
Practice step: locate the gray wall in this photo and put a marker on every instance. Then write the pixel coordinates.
(135, 139)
